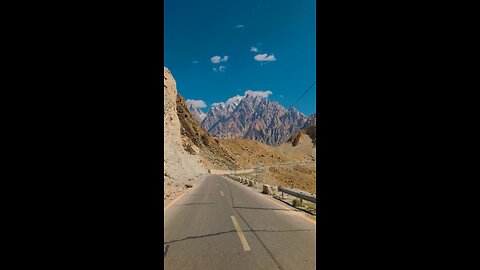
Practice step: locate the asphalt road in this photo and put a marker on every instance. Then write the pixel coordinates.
(222, 224)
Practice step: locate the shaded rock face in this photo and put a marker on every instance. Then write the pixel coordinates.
(311, 121)
(309, 129)
(255, 118)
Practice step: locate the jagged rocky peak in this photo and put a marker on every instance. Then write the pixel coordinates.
(294, 112)
(196, 112)
(253, 117)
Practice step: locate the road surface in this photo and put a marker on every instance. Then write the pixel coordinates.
(222, 224)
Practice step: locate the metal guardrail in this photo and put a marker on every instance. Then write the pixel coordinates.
(297, 193)
(302, 195)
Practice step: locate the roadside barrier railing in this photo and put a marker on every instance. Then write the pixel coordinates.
(300, 194)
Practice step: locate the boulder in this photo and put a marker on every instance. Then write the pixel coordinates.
(267, 189)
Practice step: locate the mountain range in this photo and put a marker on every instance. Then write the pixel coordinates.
(253, 117)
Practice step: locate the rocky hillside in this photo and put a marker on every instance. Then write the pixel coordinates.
(197, 141)
(285, 165)
(308, 132)
(256, 118)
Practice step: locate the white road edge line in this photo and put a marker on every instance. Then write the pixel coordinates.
(221, 193)
(245, 245)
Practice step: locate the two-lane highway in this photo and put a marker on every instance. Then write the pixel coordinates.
(221, 224)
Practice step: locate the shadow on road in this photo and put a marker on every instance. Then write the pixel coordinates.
(186, 204)
(259, 208)
(165, 251)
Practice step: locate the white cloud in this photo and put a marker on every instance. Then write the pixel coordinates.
(265, 58)
(236, 99)
(239, 26)
(254, 93)
(217, 59)
(196, 103)
(195, 62)
(220, 69)
(218, 104)
(254, 49)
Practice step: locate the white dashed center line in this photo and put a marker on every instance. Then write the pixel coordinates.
(245, 245)
(221, 193)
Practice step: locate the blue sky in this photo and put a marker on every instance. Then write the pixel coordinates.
(208, 49)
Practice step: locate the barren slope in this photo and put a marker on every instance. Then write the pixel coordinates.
(286, 165)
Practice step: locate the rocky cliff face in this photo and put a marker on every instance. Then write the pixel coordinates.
(254, 117)
(189, 149)
(178, 163)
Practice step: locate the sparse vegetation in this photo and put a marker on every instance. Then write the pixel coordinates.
(311, 206)
(297, 202)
